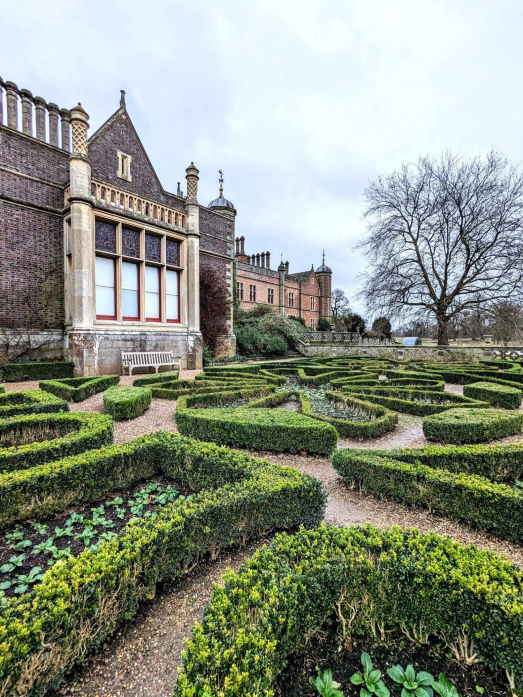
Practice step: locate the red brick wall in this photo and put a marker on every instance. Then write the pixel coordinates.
(31, 268)
(31, 238)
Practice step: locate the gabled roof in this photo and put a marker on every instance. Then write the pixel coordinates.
(109, 123)
(300, 276)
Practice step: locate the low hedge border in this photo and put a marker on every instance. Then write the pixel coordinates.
(176, 389)
(210, 399)
(383, 420)
(255, 428)
(74, 433)
(78, 389)
(460, 377)
(502, 365)
(156, 378)
(2, 389)
(499, 463)
(125, 402)
(81, 601)
(467, 498)
(416, 383)
(19, 372)
(391, 373)
(496, 395)
(404, 400)
(397, 579)
(30, 402)
(471, 425)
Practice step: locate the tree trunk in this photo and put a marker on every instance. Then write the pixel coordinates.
(443, 330)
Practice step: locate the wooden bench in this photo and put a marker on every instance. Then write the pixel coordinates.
(149, 359)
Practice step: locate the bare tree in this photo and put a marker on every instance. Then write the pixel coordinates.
(444, 235)
(340, 304)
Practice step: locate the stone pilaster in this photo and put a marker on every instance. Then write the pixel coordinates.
(66, 122)
(12, 105)
(27, 112)
(40, 104)
(81, 243)
(54, 119)
(2, 87)
(194, 359)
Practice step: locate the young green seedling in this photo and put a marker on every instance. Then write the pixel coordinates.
(412, 684)
(325, 685)
(371, 681)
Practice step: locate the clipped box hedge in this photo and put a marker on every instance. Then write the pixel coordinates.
(396, 580)
(499, 463)
(393, 373)
(156, 378)
(30, 402)
(20, 372)
(420, 402)
(81, 601)
(22, 443)
(496, 395)
(471, 425)
(278, 430)
(125, 402)
(467, 498)
(2, 389)
(78, 389)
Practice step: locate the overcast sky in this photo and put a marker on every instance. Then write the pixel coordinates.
(300, 102)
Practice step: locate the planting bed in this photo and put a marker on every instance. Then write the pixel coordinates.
(28, 550)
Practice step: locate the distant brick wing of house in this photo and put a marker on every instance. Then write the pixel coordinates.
(306, 294)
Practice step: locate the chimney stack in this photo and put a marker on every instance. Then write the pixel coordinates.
(257, 260)
(242, 245)
(263, 260)
(237, 246)
(287, 268)
(268, 260)
(27, 112)
(12, 105)
(54, 119)
(66, 123)
(40, 117)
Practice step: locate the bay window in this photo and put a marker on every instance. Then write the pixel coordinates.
(137, 273)
(152, 294)
(172, 293)
(105, 288)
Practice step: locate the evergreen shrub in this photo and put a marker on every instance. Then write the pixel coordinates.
(496, 395)
(125, 402)
(28, 441)
(471, 425)
(156, 378)
(30, 402)
(81, 601)
(19, 372)
(369, 580)
(78, 389)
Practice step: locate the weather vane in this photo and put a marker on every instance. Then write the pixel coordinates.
(220, 179)
(324, 257)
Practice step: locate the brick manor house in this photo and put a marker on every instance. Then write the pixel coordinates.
(99, 258)
(306, 294)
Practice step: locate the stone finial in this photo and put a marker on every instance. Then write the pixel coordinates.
(178, 190)
(122, 99)
(27, 112)
(80, 124)
(66, 122)
(2, 85)
(12, 104)
(192, 183)
(41, 105)
(54, 120)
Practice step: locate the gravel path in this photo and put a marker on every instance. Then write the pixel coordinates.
(142, 660)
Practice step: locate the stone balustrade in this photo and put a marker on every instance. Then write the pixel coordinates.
(123, 200)
(34, 117)
(342, 338)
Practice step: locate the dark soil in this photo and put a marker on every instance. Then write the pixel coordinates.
(42, 543)
(327, 651)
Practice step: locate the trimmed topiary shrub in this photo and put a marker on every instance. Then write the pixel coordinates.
(368, 580)
(125, 402)
(468, 498)
(81, 601)
(156, 378)
(19, 372)
(496, 395)
(416, 402)
(78, 389)
(27, 441)
(471, 425)
(279, 430)
(30, 402)
(2, 389)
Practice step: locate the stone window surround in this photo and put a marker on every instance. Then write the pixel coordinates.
(127, 159)
(240, 290)
(141, 324)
